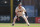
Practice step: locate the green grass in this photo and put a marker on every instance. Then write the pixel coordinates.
(19, 25)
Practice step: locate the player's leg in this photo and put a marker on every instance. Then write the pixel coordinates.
(14, 20)
(26, 21)
(25, 18)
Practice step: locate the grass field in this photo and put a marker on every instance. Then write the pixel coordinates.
(18, 25)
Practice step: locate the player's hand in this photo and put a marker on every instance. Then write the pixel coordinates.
(27, 16)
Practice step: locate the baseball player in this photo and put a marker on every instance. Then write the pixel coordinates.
(20, 11)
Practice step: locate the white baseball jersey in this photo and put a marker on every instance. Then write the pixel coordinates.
(20, 12)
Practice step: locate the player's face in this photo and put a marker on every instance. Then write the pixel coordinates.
(20, 5)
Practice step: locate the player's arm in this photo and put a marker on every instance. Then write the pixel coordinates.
(25, 12)
(16, 12)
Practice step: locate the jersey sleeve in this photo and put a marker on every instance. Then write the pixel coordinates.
(16, 10)
(24, 9)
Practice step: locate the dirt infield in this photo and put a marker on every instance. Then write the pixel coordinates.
(26, 25)
(17, 25)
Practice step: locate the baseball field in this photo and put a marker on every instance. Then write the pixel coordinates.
(19, 25)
